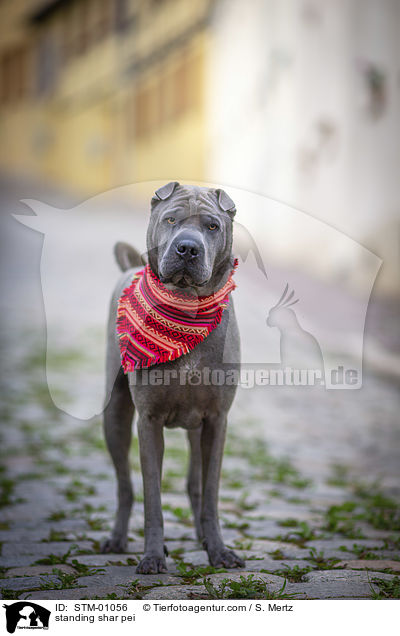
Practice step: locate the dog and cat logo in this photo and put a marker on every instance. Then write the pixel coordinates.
(26, 615)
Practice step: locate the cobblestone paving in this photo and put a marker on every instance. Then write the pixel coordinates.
(313, 512)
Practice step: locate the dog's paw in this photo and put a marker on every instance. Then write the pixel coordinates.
(113, 544)
(225, 559)
(151, 565)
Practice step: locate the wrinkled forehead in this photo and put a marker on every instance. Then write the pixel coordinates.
(192, 200)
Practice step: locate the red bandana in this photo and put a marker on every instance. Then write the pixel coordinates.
(156, 325)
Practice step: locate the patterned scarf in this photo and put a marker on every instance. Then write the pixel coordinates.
(156, 325)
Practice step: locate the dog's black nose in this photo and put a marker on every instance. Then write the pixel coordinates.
(187, 249)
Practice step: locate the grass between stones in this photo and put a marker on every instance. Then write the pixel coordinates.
(374, 508)
(320, 561)
(263, 466)
(293, 574)
(300, 536)
(246, 588)
(386, 589)
(191, 574)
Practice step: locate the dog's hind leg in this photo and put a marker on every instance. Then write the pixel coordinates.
(118, 415)
(194, 479)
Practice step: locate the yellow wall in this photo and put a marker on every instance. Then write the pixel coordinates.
(66, 139)
(82, 135)
(174, 148)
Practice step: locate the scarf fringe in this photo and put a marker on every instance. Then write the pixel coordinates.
(129, 366)
(128, 333)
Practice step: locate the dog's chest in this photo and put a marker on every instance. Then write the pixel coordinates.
(186, 391)
(180, 397)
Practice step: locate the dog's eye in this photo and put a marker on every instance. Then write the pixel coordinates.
(213, 226)
(171, 220)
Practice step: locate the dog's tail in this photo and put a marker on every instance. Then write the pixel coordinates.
(127, 256)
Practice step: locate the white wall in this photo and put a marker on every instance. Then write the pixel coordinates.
(291, 117)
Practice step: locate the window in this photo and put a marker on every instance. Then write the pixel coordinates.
(82, 41)
(122, 17)
(47, 64)
(143, 111)
(175, 88)
(13, 75)
(103, 11)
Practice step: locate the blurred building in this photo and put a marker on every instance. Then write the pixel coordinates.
(95, 93)
(304, 107)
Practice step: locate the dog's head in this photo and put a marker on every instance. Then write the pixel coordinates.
(189, 239)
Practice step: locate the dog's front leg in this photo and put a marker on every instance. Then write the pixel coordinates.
(194, 487)
(212, 447)
(118, 416)
(151, 443)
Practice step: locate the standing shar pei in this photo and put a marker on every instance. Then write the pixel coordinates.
(189, 244)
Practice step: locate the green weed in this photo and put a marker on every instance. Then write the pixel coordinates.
(55, 559)
(300, 536)
(55, 535)
(9, 595)
(84, 570)
(362, 552)
(277, 555)
(387, 589)
(190, 573)
(341, 519)
(77, 489)
(246, 588)
(237, 525)
(182, 514)
(65, 581)
(243, 544)
(57, 515)
(97, 524)
(320, 561)
(264, 466)
(7, 487)
(380, 511)
(293, 574)
(339, 477)
(289, 523)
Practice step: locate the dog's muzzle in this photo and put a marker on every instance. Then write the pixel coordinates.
(183, 263)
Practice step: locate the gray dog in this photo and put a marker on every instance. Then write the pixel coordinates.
(189, 243)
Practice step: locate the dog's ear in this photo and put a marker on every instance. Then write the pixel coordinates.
(225, 202)
(165, 191)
